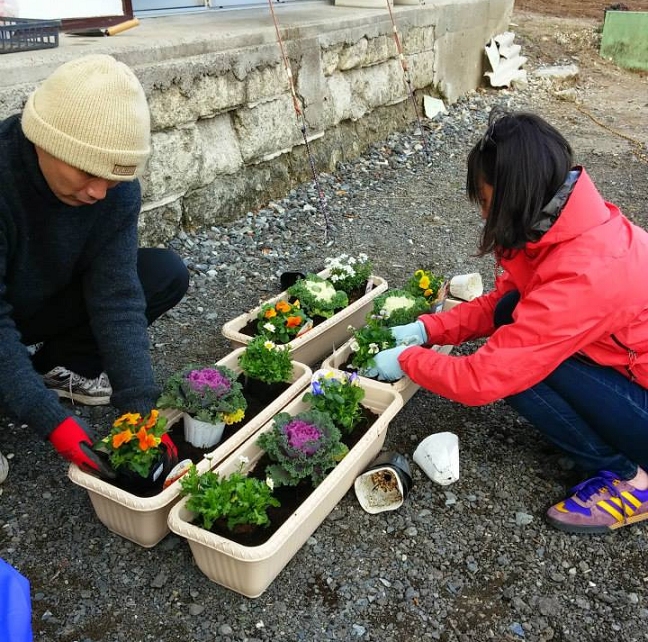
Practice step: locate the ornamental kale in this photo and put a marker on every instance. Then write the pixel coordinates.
(209, 393)
(399, 307)
(339, 394)
(304, 446)
(318, 296)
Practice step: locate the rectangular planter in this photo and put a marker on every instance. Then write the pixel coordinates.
(404, 386)
(321, 340)
(143, 520)
(250, 570)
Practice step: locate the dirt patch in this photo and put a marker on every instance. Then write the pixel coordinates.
(577, 8)
(601, 97)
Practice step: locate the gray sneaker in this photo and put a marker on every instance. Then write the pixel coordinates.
(68, 384)
(4, 468)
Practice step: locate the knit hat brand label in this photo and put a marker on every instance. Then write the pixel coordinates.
(124, 170)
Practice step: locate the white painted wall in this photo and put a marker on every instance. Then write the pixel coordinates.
(48, 10)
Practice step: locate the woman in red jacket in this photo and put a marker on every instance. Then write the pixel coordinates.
(568, 356)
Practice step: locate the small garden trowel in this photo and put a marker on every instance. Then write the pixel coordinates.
(109, 31)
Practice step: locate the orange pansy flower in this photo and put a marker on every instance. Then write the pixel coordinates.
(293, 322)
(147, 441)
(121, 438)
(152, 419)
(130, 418)
(269, 313)
(283, 306)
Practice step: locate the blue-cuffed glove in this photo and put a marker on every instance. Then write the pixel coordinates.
(412, 334)
(386, 366)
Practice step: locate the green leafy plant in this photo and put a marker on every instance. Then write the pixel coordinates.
(237, 498)
(339, 394)
(424, 283)
(368, 341)
(318, 296)
(348, 273)
(208, 393)
(134, 442)
(303, 446)
(398, 307)
(263, 359)
(282, 321)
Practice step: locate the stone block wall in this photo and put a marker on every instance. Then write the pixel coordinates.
(225, 134)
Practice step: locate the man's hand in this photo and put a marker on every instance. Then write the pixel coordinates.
(386, 366)
(73, 440)
(412, 334)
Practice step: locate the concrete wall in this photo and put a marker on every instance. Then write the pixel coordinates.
(225, 134)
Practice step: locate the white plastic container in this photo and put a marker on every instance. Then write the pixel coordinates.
(438, 456)
(466, 286)
(202, 434)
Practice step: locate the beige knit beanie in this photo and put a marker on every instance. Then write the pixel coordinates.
(92, 114)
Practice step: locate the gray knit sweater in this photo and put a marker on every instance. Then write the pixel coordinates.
(44, 244)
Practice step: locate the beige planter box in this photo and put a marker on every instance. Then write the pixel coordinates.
(250, 570)
(143, 520)
(405, 386)
(321, 340)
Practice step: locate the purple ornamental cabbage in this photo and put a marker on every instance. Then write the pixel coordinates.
(303, 436)
(209, 378)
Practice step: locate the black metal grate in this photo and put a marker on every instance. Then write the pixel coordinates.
(24, 34)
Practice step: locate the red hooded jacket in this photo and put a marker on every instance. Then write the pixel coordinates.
(583, 287)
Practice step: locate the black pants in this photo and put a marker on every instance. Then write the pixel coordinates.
(63, 325)
(503, 314)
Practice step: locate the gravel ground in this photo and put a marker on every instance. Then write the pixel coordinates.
(471, 561)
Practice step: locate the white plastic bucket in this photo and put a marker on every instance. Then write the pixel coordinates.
(438, 456)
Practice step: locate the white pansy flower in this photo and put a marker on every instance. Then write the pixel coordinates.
(355, 346)
(269, 327)
(373, 348)
(270, 483)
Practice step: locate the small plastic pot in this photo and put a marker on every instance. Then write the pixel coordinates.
(290, 278)
(385, 484)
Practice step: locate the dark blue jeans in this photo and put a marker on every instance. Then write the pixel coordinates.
(63, 324)
(593, 413)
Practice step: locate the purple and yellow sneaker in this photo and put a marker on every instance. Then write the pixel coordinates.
(599, 505)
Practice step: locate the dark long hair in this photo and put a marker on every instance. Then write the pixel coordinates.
(525, 160)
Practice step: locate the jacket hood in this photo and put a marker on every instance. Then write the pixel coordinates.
(584, 209)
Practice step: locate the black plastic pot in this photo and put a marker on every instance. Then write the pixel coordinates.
(385, 484)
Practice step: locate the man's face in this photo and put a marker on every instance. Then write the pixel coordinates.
(70, 185)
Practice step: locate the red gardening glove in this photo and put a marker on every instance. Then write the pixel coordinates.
(172, 450)
(73, 440)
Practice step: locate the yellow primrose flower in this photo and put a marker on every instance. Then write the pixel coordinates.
(233, 417)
